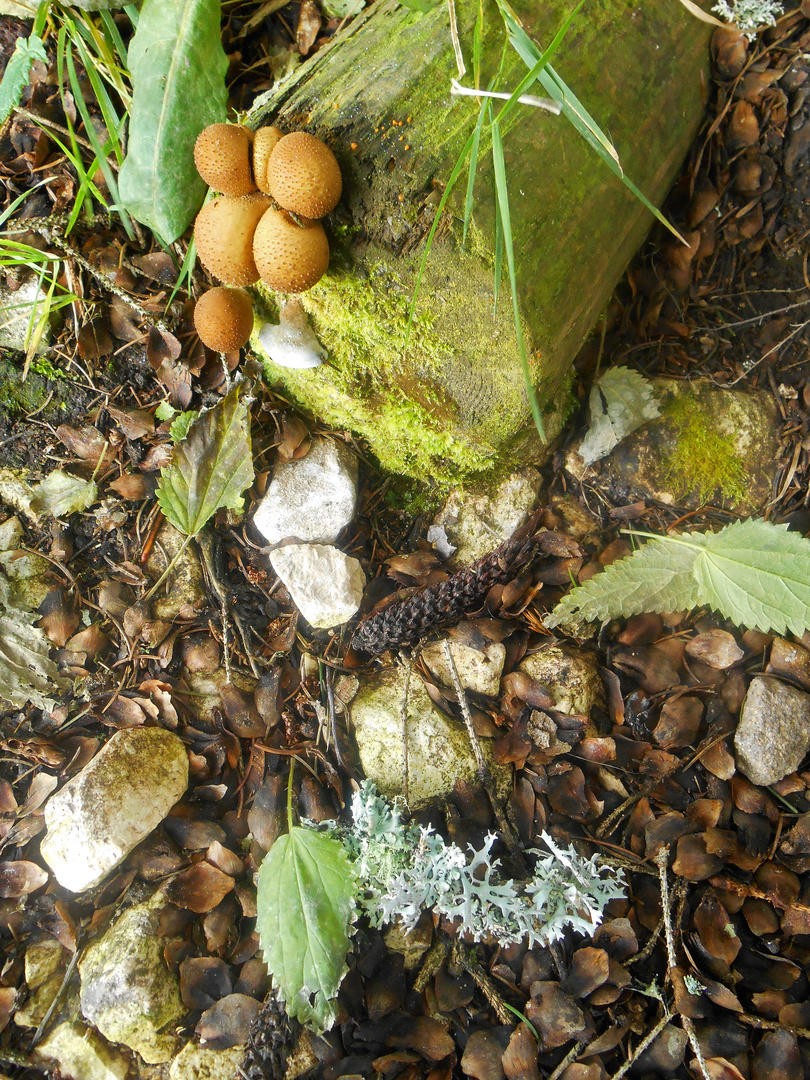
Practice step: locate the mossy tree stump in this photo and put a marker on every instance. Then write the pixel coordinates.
(453, 402)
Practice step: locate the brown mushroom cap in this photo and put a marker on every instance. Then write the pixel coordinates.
(264, 143)
(290, 258)
(223, 233)
(222, 157)
(303, 175)
(223, 317)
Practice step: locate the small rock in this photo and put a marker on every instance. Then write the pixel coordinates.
(410, 944)
(20, 310)
(205, 699)
(478, 670)
(195, 1062)
(326, 585)
(665, 1053)
(127, 991)
(81, 1054)
(708, 445)
(773, 734)
(310, 498)
(439, 752)
(571, 676)
(45, 965)
(185, 585)
(30, 577)
(100, 815)
(476, 524)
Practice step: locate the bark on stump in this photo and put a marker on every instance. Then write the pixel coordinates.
(453, 403)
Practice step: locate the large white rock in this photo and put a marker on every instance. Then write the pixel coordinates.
(326, 585)
(81, 1054)
(439, 751)
(127, 991)
(312, 498)
(100, 815)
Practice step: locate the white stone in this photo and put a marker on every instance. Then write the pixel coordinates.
(311, 498)
(773, 734)
(195, 1062)
(571, 676)
(127, 991)
(81, 1054)
(439, 751)
(478, 670)
(478, 523)
(16, 311)
(100, 815)
(326, 585)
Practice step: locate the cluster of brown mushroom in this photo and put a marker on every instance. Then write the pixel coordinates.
(264, 224)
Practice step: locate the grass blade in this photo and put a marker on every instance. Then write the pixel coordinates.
(499, 167)
(468, 202)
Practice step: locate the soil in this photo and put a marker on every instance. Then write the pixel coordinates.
(712, 943)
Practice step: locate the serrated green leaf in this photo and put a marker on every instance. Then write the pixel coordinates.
(620, 402)
(656, 577)
(180, 426)
(60, 494)
(178, 70)
(305, 903)
(165, 411)
(18, 69)
(757, 574)
(211, 467)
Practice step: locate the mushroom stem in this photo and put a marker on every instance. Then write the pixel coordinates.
(291, 342)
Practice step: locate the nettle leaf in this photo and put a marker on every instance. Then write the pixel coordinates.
(178, 70)
(60, 494)
(18, 70)
(753, 572)
(211, 467)
(757, 574)
(656, 577)
(305, 900)
(620, 402)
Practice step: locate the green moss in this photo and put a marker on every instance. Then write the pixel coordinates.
(703, 461)
(18, 396)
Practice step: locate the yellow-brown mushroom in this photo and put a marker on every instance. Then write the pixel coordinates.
(264, 143)
(223, 317)
(303, 175)
(222, 157)
(223, 233)
(290, 257)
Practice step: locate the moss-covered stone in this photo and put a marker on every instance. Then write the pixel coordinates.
(447, 400)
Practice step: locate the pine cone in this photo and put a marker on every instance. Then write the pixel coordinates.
(407, 621)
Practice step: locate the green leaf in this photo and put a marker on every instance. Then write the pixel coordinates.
(656, 577)
(211, 467)
(27, 672)
(18, 69)
(752, 572)
(620, 402)
(178, 70)
(60, 494)
(165, 411)
(305, 902)
(756, 574)
(181, 425)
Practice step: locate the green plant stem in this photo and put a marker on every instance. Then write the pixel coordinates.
(168, 569)
(290, 823)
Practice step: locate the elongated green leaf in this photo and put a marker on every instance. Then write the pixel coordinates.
(503, 211)
(657, 577)
(15, 77)
(757, 574)
(305, 907)
(211, 467)
(178, 70)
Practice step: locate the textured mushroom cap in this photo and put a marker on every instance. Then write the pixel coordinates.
(303, 175)
(264, 143)
(290, 258)
(222, 157)
(223, 317)
(223, 233)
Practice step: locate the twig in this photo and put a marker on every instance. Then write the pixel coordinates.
(571, 1056)
(461, 956)
(525, 99)
(484, 774)
(649, 1038)
(662, 860)
(408, 665)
